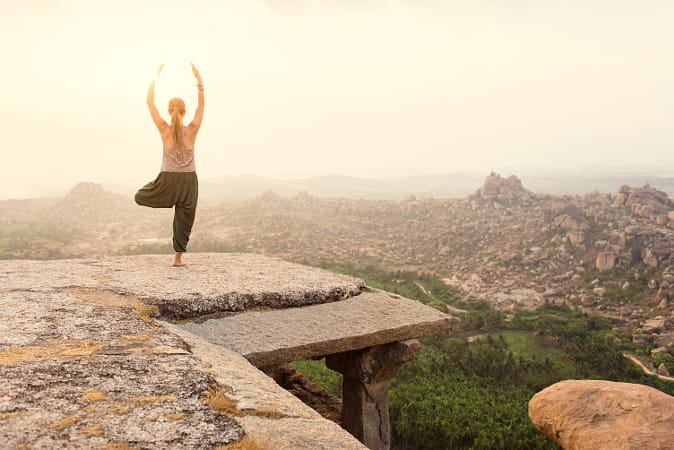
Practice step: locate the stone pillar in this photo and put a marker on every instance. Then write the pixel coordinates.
(366, 376)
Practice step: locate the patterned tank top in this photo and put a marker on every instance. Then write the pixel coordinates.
(178, 159)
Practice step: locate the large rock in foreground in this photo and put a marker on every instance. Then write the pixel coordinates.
(589, 414)
(83, 364)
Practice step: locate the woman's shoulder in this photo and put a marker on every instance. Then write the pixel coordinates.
(189, 136)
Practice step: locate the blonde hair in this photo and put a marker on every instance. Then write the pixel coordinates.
(177, 109)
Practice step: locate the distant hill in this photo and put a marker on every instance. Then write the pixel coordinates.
(244, 187)
(582, 184)
(454, 185)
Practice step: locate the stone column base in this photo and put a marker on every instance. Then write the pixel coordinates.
(366, 376)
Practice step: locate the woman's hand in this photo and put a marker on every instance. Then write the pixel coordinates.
(199, 112)
(196, 73)
(154, 112)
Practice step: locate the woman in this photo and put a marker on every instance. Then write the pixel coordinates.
(177, 184)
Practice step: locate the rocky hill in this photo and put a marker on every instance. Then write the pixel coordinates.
(502, 191)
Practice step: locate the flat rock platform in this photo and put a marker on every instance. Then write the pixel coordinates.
(280, 336)
(211, 283)
(129, 352)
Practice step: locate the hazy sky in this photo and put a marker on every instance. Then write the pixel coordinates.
(365, 88)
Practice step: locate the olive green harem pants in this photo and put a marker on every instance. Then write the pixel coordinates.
(169, 189)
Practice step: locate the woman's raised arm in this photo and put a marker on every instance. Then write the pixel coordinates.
(161, 124)
(199, 112)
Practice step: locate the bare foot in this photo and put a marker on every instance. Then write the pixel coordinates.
(178, 260)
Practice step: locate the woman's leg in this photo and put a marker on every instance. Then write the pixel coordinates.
(182, 225)
(185, 212)
(156, 193)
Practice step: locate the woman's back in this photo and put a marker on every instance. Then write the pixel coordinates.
(188, 140)
(179, 157)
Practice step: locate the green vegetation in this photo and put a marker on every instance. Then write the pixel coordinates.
(666, 359)
(475, 395)
(426, 288)
(612, 281)
(19, 238)
(318, 372)
(524, 343)
(460, 395)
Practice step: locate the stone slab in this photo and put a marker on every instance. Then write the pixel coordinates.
(281, 336)
(211, 283)
(224, 282)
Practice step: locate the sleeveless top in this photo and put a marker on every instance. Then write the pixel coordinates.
(174, 160)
